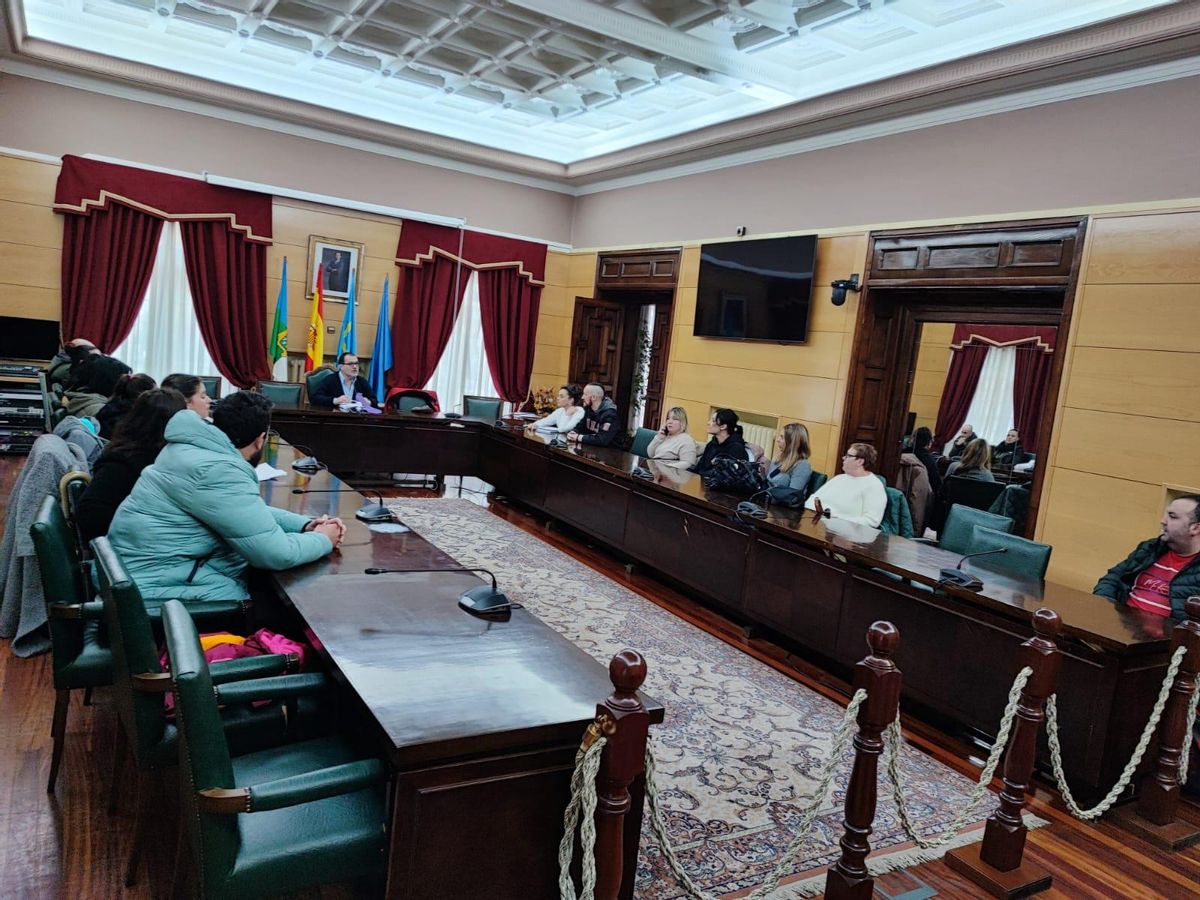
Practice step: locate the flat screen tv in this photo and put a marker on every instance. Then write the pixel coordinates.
(756, 290)
(28, 339)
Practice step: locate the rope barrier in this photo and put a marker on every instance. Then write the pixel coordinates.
(583, 794)
(895, 745)
(1189, 737)
(1127, 774)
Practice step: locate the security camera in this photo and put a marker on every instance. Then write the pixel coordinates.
(841, 286)
(741, 231)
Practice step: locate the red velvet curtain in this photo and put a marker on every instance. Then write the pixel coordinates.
(965, 365)
(509, 304)
(107, 258)
(1029, 392)
(228, 275)
(427, 301)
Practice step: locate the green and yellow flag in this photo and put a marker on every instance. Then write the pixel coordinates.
(277, 349)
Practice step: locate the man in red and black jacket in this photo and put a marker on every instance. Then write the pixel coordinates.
(601, 424)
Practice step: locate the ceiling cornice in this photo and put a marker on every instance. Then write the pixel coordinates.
(1140, 41)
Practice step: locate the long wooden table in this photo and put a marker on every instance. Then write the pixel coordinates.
(819, 585)
(479, 718)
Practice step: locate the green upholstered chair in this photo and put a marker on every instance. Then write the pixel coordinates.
(957, 534)
(139, 683)
(815, 481)
(1021, 557)
(279, 821)
(80, 656)
(315, 377)
(641, 441)
(284, 394)
(408, 403)
(482, 407)
(971, 492)
(212, 386)
(70, 489)
(897, 518)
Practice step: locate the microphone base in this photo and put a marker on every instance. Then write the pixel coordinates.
(483, 600)
(960, 579)
(374, 512)
(308, 463)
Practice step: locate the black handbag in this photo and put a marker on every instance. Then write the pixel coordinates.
(736, 476)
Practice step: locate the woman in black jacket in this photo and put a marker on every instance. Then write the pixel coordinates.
(922, 439)
(128, 389)
(137, 441)
(726, 440)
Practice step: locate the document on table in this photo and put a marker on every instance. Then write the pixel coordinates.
(266, 471)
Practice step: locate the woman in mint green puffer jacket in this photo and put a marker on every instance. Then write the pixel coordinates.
(194, 521)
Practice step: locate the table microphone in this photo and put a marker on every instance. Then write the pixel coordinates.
(368, 512)
(478, 601)
(957, 578)
(305, 463)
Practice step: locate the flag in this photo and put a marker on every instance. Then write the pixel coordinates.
(381, 355)
(278, 347)
(348, 339)
(315, 354)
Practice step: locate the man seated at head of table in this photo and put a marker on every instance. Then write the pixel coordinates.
(1161, 573)
(601, 424)
(195, 520)
(566, 416)
(344, 386)
(857, 495)
(673, 445)
(1009, 451)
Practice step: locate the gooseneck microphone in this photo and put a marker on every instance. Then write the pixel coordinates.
(308, 463)
(956, 577)
(478, 600)
(368, 512)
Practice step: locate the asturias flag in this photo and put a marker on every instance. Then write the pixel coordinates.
(278, 347)
(348, 339)
(381, 355)
(315, 354)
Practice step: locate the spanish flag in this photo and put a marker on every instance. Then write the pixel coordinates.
(315, 354)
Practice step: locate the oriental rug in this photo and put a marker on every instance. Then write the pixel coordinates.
(741, 749)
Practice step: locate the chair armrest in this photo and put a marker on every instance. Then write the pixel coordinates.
(227, 670)
(202, 610)
(93, 609)
(331, 782)
(281, 687)
(930, 542)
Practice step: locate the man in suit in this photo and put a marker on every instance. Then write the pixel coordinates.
(342, 386)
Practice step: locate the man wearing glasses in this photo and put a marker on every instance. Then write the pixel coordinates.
(856, 495)
(344, 386)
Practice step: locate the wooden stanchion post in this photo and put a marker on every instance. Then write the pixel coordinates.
(847, 879)
(621, 762)
(996, 864)
(1154, 817)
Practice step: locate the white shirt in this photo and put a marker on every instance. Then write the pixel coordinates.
(855, 498)
(560, 420)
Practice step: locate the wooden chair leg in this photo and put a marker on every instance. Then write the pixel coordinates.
(58, 731)
(87, 696)
(141, 819)
(120, 746)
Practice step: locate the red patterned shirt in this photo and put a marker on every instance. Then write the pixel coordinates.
(1152, 589)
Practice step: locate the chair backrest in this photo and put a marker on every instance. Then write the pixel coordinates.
(972, 492)
(134, 652)
(203, 752)
(897, 517)
(1021, 557)
(316, 376)
(482, 407)
(641, 441)
(70, 489)
(956, 533)
(212, 385)
(62, 577)
(407, 402)
(284, 394)
(815, 481)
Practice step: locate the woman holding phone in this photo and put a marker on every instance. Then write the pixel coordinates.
(673, 443)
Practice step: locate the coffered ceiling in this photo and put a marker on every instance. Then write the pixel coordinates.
(554, 83)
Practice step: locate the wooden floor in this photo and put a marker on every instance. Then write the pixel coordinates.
(65, 844)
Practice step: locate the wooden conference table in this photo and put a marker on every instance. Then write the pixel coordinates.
(479, 719)
(819, 585)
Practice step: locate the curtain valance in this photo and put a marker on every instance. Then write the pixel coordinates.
(421, 241)
(86, 185)
(1040, 336)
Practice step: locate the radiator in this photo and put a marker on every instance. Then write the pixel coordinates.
(762, 435)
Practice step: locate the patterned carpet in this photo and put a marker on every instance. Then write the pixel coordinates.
(742, 744)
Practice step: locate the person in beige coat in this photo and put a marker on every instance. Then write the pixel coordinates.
(673, 443)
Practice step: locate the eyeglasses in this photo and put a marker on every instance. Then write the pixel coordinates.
(849, 456)
(352, 365)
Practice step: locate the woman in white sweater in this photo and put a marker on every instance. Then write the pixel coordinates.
(567, 416)
(673, 444)
(857, 495)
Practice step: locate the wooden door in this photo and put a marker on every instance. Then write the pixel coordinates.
(596, 341)
(656, 380)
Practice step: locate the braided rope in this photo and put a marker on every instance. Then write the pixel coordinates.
(1188, 736)
(583, 794)
(840, 740)
(895, 746)
(1127, 774)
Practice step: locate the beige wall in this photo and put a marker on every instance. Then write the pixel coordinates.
(929, 379)
(568, 275)
(1130, 146)
(30, 240)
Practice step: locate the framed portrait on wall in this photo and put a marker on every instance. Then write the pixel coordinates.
(336, 259)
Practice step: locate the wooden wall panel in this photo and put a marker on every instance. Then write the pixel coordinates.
(1139, 316)
(30, 240)
(1161, 248)
(22, 264)
(32, 226)
(1136, 382)
(1135, 448)
(27, 181)
(929, 380)
(568, 275)
(819, 357)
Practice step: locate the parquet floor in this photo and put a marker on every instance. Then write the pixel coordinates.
(65, 844)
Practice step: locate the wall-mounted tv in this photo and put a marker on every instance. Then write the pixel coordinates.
(756, 290)
(28, 339)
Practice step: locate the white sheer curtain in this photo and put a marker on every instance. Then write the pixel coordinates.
(991, 411)
(166, 336)
(463, 368)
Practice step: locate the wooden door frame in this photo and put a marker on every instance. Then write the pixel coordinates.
(901, 353)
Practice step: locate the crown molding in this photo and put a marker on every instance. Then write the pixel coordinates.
(1157, 45)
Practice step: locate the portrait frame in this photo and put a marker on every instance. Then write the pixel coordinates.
(337, 283)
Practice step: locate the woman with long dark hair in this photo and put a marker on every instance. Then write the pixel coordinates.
(726, 440)
(128, 389)
(137, 440)
(195, 394)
